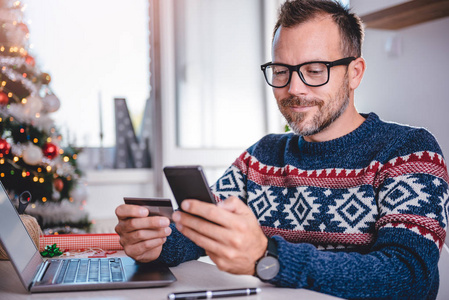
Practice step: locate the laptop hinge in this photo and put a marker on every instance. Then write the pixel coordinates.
(40, 273)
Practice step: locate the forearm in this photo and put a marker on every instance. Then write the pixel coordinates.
(178, 249)
(400, 264)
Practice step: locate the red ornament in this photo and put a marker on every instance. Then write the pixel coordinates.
(4, 147)
(24, 27)
(4, 99)
(58, 184)
(50, 150)
(30, 60)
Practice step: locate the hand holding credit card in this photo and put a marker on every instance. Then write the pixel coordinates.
(156, 206)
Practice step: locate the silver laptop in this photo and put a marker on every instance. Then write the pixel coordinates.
(69, 274)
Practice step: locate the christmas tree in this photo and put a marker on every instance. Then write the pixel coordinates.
(33, 155)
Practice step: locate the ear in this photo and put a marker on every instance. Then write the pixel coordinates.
(356, 71)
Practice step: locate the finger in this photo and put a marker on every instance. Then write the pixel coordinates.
(207, 211)
(233, 204)
(145, 251)
(137, 236)
(132, 224)
(125, 211)
(202, 232)
(203, 239)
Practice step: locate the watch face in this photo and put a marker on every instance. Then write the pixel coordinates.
(267, 268)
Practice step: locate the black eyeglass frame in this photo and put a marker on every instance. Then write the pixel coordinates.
(329, 64)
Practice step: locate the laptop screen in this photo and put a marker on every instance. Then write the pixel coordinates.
(13, 234)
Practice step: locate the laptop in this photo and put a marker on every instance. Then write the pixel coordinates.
(70, 274)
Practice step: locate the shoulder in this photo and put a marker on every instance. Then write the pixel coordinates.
(395, 139)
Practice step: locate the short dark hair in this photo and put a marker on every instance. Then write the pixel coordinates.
(295, 12)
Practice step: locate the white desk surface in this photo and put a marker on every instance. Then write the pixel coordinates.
(193, 275)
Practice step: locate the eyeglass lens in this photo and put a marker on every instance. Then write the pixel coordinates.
(312, 74)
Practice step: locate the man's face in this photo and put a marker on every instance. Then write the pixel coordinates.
(310, 110)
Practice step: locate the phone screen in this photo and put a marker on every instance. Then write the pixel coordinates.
(188, 182)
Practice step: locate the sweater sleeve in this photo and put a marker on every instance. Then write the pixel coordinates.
(178, 249)
(412, 198)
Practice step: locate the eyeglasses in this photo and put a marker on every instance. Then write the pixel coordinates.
(314, 73)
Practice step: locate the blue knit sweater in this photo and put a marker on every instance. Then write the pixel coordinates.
(361, 216)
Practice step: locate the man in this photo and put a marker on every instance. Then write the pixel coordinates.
(349, 205)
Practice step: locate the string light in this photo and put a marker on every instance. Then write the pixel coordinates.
(41, 180)
(75, 156)
(15, 159)
(2, 174)
(35, 140)
(2, 161)
(44, 199)
(35, 179)
(39, 169)
(24, 174)
(48, 168)
(24, 100)
(66, 159)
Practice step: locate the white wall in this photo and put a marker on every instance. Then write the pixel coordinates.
(412, 86)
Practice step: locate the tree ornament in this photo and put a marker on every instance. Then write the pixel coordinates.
(50, 150)
(58, 183)
(32, 154)
(79, 193)
(33, 106)
(30, 60)
(45, 78)
(24, 27)
(51, 103)
(4, 99)
(4, 147)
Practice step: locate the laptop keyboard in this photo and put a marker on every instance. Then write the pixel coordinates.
(90, 270)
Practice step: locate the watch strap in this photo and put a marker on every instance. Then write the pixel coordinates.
(272, 248)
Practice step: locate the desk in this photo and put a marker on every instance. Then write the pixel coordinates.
(193, 275)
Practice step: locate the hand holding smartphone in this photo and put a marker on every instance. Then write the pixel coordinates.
(188, 182)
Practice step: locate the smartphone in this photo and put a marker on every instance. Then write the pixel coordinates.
(156, 206)
(188, 182)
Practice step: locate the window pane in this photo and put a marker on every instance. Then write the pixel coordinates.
(220, 88)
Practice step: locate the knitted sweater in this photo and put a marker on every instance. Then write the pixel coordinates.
(361, 216)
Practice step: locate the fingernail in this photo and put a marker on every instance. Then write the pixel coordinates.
(179, 226)
(167, 230)
(143, 212)
(185, 205)
(164, 222)
(176, 216)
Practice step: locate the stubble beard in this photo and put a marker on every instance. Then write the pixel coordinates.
(326, 115)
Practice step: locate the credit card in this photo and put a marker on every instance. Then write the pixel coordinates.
(156, 206)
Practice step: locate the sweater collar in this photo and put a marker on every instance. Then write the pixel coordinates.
(352, 138)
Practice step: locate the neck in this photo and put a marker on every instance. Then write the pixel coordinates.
(349, 120)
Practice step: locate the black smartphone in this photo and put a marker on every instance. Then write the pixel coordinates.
(188, 182)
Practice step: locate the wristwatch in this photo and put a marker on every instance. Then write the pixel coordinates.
(267, 267)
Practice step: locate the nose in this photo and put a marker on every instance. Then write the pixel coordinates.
(297, 86)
